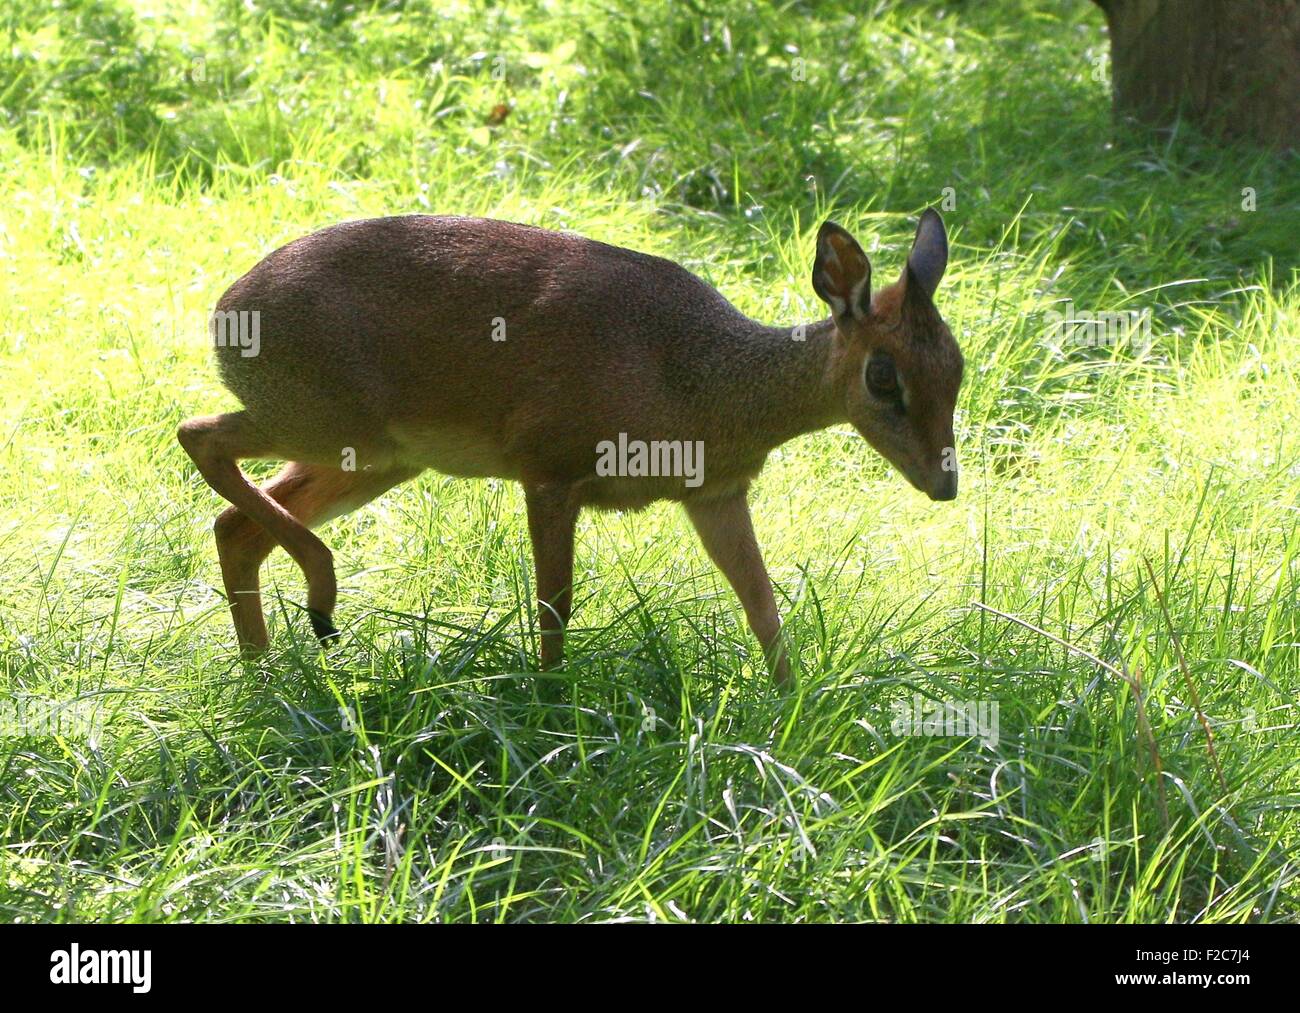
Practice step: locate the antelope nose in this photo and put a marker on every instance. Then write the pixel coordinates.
(945, 486)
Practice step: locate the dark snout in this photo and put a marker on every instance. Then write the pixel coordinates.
(944, 486)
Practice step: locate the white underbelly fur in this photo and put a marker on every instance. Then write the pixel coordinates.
(452, 451)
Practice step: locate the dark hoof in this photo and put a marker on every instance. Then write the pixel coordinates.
(324, 629)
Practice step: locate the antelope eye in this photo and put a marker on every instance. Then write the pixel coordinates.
(881, 377)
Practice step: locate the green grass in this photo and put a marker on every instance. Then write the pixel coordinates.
(423, 769)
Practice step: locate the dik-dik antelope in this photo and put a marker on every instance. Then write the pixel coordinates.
(484, 348)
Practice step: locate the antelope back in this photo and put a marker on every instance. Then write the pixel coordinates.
(478, 347)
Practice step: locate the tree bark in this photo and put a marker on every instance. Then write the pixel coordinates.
(1231, 67)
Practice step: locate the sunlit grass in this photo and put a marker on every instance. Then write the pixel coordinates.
(423, 769)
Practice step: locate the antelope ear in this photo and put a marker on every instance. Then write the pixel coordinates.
(929, 256)
(841, 273)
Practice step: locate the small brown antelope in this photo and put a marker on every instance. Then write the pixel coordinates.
(484, 348)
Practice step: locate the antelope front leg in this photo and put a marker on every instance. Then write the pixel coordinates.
(725, 528)
(552, 517)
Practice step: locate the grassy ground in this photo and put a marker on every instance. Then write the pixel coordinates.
(422, 769)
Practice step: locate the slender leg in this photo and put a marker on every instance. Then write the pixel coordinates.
(216, 443)
(314, 495)
(725, 529)
(552, 517)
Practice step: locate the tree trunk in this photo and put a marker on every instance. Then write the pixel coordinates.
(1231, 67)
